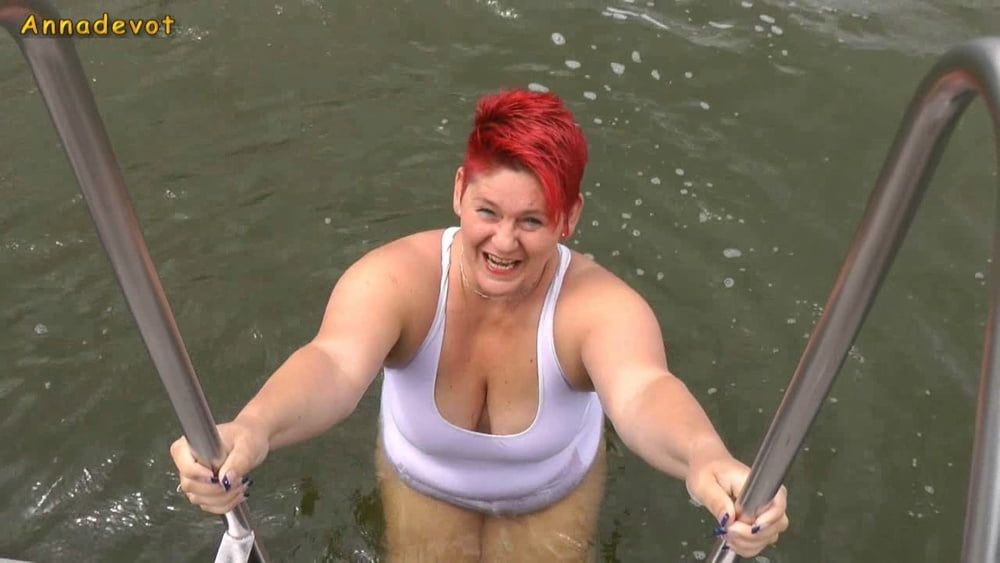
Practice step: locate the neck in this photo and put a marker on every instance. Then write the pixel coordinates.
(517, 297)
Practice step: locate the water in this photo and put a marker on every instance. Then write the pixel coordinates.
(267, 146)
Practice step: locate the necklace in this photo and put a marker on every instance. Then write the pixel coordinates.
(465, 280)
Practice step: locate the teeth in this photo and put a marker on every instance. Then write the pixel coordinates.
(503, 264)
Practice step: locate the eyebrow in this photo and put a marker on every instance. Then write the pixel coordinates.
(531, 211)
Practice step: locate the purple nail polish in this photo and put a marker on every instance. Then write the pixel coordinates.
(725, 520)
(215, 479)
(755, 529)
(226, 484)
(719, 532)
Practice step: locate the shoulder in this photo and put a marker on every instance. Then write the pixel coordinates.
(594, 290)
(402, 263)
(598, 313)
(396, 272)
(404, 253)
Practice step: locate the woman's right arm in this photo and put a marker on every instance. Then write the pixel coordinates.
(321, 383)
(316, 387)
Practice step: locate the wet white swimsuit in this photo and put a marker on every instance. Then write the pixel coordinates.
(494, 474)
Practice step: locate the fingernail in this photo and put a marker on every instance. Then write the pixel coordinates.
(755, 529)
(215, 479)
(226, 484)
(725, 546)
(719, 532)
(725, 520)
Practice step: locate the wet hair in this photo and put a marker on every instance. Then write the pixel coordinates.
(529, 132)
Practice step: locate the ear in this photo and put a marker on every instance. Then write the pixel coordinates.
(456, 198)
(573, 217)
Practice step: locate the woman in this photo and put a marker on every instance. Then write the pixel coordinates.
(503, 351)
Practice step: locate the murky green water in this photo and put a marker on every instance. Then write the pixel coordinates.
(267, 146)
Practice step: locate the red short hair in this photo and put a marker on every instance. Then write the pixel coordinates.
(532, 132)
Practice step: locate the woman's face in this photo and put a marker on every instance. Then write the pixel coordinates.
(507, 238)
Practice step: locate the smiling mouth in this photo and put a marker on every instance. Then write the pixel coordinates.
(498, 264)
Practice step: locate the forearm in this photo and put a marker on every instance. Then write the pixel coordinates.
(302, 399)
(666, 427)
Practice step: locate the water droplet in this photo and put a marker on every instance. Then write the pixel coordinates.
(590, 95)
(766, 18)
(655, 74)
(728, 282)
(558, 39)
(712, 390)
(929, 489)
(679, 171)
(636, 57)
(704, 105)
(776, 30)
(327, 220)
(573, 64)
(618, 68)
(732, 253)
(536, 87)
(689, 74)
(41, 329)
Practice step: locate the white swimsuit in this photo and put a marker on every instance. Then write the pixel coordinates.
(494, 474)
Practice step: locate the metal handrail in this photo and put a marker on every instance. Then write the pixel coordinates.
(960, 75)
(67, 95)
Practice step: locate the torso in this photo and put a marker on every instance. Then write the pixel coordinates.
(487, 377)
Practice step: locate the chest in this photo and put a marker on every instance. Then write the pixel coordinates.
(488, 378)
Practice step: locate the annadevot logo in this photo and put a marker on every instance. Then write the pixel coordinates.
(103, 26)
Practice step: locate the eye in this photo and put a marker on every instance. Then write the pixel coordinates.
(533, 222)
(486, 212)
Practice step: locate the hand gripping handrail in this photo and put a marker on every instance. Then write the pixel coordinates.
(963, 72)
(63, 86)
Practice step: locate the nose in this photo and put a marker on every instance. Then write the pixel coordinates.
(505, 237)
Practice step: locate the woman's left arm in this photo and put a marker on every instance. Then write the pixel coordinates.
(657, 417)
